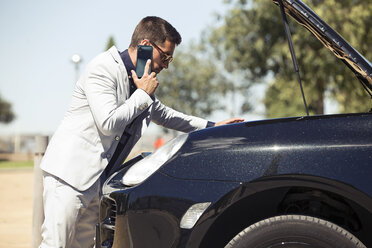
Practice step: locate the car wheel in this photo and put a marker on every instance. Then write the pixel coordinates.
(298, 231)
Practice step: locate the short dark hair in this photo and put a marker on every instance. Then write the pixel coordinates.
(156, 30)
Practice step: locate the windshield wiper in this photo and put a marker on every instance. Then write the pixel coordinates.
(290, 44)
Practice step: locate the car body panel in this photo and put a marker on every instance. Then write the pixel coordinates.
(244, 161)
(319, 166)
(304, 145)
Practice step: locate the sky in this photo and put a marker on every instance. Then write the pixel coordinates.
(38, 39)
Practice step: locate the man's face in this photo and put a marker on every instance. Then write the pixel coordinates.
(162, 55)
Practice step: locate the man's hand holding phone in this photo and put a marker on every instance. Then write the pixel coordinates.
(148, 82)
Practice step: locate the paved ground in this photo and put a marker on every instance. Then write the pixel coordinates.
(16, 201)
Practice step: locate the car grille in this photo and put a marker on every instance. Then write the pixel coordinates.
(109, 221)
(108, 210)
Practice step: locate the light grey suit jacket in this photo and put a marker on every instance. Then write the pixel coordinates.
(100, 109)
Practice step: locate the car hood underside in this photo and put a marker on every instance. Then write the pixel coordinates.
(361, 67)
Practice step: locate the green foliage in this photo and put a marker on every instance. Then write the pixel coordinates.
(16, 164)
(6, 112)
(286, 102)
(110, 43)
(251, 40)
(193, 83)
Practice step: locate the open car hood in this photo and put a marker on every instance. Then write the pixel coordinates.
(330, 39)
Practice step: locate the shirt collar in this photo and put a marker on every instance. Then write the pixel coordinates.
(129, 67)
(127, 62)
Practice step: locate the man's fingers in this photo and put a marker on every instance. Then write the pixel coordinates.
(134, 75)
(147, 66)
(235, 120)
(229, 121)
(148, 83)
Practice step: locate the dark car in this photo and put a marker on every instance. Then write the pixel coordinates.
(290, 182)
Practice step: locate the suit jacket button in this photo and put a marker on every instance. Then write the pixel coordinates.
(117, 138)
(108, 155)
(143, 106)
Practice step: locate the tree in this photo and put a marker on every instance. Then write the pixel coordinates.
(110, 43)
(193, 83)
(251, 40)
(6, 112)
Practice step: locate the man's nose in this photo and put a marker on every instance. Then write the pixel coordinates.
(165, 65)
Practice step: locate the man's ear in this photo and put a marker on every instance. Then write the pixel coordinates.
(145, 42)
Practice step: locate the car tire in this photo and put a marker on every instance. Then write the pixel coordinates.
(294, 231)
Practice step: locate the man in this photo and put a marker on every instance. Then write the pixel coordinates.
(109, 111)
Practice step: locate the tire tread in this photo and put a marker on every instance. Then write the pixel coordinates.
(311, 219)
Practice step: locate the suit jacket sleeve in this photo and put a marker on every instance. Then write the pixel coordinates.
(173, 119)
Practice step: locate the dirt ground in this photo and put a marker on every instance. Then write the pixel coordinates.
(16, 202)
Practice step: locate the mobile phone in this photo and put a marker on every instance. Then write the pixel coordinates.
(144, 53)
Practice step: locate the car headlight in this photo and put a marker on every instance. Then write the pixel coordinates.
(140, 171)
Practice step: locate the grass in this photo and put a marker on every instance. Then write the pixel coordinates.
(16, 164)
